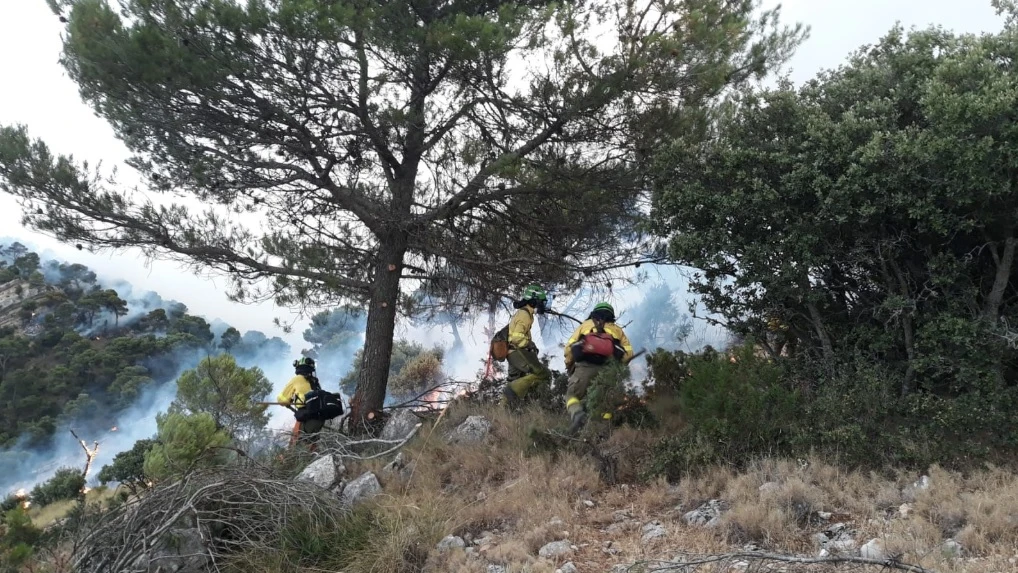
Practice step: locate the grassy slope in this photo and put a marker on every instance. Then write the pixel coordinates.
(497, 487)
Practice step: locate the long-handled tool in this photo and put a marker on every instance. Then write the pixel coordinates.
(633, 357)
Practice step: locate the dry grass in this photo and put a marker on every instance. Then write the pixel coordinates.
(520, 499)
(44, 516)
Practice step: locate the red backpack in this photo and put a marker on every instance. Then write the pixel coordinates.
(598, 344)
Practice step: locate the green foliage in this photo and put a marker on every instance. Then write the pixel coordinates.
(437, 95)
(864, 223)
(305, 545)
(66, 483)
(226, 392)
(58, 374)
(184, 442)
(18, 539)
(610, 394)
(128, 467)
(860, 417)
(411, 369)
(733, 409)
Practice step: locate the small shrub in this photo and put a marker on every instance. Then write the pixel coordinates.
(609, 394)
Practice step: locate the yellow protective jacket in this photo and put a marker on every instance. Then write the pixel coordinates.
(519, 327)
(611, 328)
(293, 393)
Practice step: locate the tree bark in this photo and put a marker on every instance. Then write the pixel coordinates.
(991, 308)
(818, 325)
(908, 331)
(369, 397)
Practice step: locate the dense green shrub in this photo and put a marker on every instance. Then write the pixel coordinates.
(733, 409)
(66, 483)
(861, 417)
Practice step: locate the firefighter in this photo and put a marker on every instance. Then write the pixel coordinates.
(525, 368)
(304, 381)
(596, 341)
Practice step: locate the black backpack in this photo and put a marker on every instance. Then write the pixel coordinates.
(319, 404)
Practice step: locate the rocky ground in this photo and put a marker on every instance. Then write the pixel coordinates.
(471, 495)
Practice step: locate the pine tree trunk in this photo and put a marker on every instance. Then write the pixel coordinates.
(369, 397)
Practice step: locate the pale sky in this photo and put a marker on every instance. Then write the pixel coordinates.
(37, 92)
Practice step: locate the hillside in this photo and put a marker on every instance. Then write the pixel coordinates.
(74, 354)
(475, 490)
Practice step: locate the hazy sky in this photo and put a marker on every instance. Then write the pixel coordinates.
(37, 92)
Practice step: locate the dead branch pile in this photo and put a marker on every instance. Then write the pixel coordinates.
(344, 447)
(233, 510)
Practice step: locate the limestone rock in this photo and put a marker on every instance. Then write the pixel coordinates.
(951, 548)
(555, 549)
(323, 472)
(567, 567)
(399, 425)
(363, 488)
(707, 515)
(651, 531)
(873, 549)
(473, 429)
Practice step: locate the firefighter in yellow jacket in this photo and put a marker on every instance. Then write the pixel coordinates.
(596, 341)
(525, 368)
(293, 393)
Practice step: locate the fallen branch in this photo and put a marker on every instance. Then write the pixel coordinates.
(697, 560)
(341, 446)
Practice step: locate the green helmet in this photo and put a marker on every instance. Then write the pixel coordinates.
(304, 361)
(604, 306)
(533, 292)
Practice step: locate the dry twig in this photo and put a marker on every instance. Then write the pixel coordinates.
(692, 562)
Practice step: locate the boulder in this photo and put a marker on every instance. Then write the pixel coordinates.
(651, 531)
(399, 425)
(567, 567)
(323, 472)
(365, 487)
(555, 549)
(707, 515)
(473, 429)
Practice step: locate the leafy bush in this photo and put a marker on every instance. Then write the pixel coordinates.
(128, 467)
(184, 442)
(66, 483)
(19, 537)
(733, 409)
(609, 394)
(860, 415)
